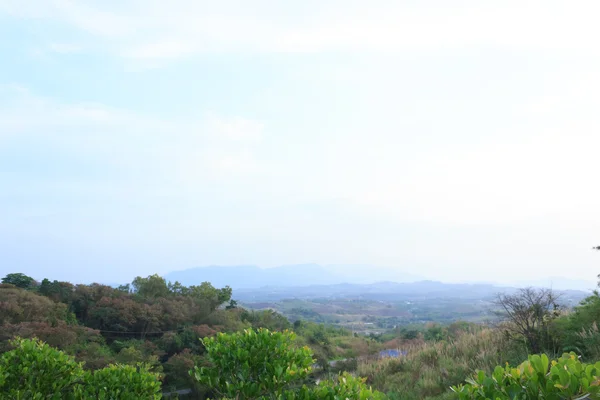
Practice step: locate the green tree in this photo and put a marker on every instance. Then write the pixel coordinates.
(208, 293)
(268, 319)
(19, 280)
(253, 364)
(153, 286)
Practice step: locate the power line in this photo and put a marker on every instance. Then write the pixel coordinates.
(132, 332)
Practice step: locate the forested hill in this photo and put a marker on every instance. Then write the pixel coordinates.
(150, 320)
(156, 332)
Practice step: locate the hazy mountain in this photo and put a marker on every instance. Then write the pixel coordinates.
(393, 291)
(249, 276)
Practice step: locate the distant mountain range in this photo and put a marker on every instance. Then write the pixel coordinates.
(252, 277)
(340, 277)
(393, 291)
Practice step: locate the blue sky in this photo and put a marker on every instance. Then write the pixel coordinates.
(146, 136)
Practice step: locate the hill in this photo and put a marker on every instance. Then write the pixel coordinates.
(251, 277)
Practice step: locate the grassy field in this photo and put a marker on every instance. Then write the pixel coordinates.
(430, 368)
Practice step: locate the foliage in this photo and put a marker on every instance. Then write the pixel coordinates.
(344, 387)
(578, 331)
(57, 291)
(213, 296)
(153, 286)
(530, 312)
(19, 280)
(34, 370)
(430, 368)
(253, 363)
(60, 335)
(590, 337)
(177, 370)
(18, 305)
(125, 382)
(134, 355)
(266, 319)
(536, 378)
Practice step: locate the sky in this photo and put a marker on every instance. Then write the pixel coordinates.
(459, 140)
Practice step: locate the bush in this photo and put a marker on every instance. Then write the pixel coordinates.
(536, 378)
(266, 365)
(345, 386)
(251, 364)
(34, 370)
(124, 382)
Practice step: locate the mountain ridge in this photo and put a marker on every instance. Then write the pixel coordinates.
(252, 276)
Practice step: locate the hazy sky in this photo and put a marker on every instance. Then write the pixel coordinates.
(459, 142)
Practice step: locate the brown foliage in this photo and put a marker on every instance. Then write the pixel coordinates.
(60, 335)
(19, 305)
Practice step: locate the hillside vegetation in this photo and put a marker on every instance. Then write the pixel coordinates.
(161, 336)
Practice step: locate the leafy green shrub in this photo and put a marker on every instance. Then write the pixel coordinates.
(268, 365)
(344, 387)
(124, 382)
(34, 370)
(251, 364)
(536, 378)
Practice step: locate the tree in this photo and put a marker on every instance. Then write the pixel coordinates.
(59, 335)
(206, 292)
(232, 304)
(19, 280)
(529, 312)
(268, 319)
(177, 288)
(177, 370)
(17, 305)
(252, 364)
(153, 286)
